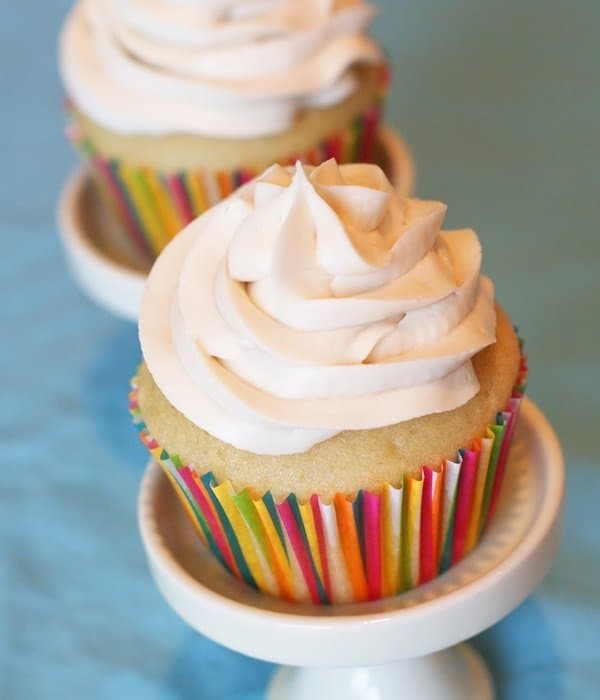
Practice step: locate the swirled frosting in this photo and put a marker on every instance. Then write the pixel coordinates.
(313, 301)
(230, 68)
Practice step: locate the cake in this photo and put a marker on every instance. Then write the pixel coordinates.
(329, 383)
(176, 104)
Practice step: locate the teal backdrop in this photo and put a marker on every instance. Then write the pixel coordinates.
(500, 102)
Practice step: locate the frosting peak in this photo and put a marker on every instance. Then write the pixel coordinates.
(315, 300)
(233, 68)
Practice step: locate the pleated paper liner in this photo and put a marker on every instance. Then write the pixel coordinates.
(348, 550)
(154, 206)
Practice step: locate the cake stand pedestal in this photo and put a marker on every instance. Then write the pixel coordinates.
(403, 646)
(111, 272)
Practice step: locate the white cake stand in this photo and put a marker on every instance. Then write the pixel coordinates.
(111, 272)
(397, 647)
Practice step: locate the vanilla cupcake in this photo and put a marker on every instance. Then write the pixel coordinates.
(329, 383)
(175, 103)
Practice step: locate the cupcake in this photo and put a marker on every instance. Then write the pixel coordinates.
(175, 103)
(328, 383)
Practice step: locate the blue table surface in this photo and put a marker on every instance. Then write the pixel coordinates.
(501, 106)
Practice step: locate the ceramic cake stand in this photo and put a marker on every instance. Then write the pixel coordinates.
(111, 272)
(405, 646)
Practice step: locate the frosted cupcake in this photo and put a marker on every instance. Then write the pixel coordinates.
(177, 103)
(328, 383)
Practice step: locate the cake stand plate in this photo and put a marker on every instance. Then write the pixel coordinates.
(400, 645)
(111, 272)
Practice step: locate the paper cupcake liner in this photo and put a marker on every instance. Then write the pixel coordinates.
(154, 206)
(375, 545)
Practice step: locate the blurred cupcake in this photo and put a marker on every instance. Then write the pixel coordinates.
(328, 383)
(177, 103)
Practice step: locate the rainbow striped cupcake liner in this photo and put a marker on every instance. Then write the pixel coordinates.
(154, 206)
(349, 550)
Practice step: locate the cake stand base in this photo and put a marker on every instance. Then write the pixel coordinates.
(404, 646)
(453, 674)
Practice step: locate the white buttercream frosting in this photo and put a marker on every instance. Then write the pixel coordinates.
(231, 68)
(313, 301)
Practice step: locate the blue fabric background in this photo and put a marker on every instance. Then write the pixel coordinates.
(500, 103)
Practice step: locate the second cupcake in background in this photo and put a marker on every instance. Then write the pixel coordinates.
(328, 383)
(175, 104)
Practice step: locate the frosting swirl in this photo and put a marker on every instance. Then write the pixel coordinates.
(231, 68)
(313, 301)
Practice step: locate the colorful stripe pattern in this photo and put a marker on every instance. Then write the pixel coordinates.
(153, 206)
(372, 546)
